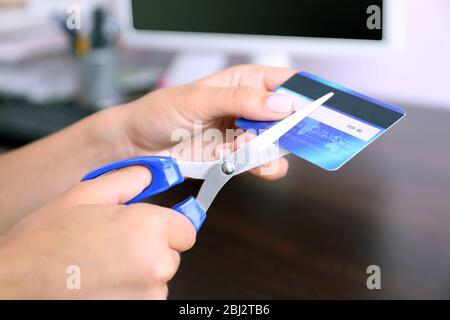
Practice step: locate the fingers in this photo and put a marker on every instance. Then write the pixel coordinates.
(150, 240)
(265, 77)
(244, 91)
(181, 232)
(116, 187)
(273, 170)
(257, 76)
(122, 185)
(163, 266)
(172, 225)
(214, 102)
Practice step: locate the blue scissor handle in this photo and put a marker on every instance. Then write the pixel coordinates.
(165, 174)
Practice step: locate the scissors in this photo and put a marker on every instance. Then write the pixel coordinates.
(168, 172)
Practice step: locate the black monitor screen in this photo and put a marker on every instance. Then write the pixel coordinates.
(302, 18)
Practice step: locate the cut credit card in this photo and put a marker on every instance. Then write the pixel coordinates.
(334, 133)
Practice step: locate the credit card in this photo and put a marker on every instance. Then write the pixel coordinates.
(335, 132)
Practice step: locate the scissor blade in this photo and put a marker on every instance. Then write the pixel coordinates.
(215, 177)
(195, 170)
(249, 155)
(271, 153)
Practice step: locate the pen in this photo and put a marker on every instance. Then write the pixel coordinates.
(98, 39)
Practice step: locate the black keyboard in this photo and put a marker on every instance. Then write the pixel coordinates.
(22, 122)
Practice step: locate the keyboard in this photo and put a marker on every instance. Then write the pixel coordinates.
(22, 122)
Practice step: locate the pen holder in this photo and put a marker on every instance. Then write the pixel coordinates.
(99, 85)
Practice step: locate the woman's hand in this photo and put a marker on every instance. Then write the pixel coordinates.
(37, 173)
(126, 252)
(146, 126)
(121, 251)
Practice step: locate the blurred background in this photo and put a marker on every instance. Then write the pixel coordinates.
(314, 234)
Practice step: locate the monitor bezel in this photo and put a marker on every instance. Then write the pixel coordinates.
(393, 38)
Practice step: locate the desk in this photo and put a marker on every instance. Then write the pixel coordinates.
(314, 233)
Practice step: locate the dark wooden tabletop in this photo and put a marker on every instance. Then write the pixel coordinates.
(314, 233)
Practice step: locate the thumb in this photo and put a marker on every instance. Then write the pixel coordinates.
(247, 102)
(116, 187)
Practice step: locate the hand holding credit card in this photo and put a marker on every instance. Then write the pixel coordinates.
(338, 130)
(168, 172)
(324, 130)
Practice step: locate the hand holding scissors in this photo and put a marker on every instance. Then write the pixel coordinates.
(168, 172)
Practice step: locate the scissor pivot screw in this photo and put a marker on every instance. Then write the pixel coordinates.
(228, 167)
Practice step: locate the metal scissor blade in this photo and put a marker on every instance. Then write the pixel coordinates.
(196, 170)
(216, 177)
(242, 157)
(211, 173)
(271, 153)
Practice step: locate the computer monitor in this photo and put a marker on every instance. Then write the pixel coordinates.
(268, 30)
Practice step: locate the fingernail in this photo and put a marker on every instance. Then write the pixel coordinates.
(279, 103)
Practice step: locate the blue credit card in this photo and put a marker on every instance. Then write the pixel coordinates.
(335, 132)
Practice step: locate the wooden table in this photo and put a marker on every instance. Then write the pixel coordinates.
(314, 233)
